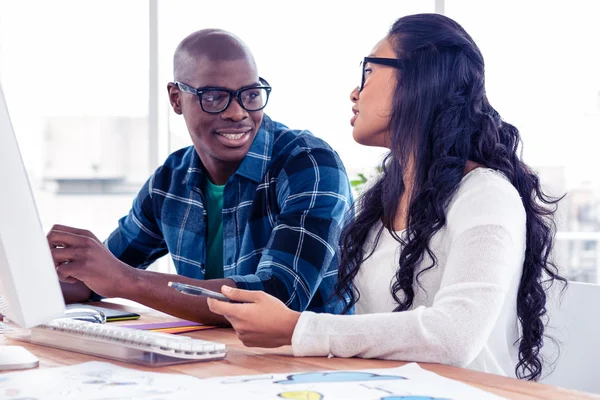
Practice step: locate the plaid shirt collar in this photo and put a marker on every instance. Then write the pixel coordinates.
(254, 165)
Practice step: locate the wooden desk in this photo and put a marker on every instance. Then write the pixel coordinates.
(247, 361)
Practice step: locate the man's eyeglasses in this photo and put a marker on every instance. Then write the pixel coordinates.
(214, 100)
(389, 62)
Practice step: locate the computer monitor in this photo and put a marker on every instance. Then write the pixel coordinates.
(29, 286)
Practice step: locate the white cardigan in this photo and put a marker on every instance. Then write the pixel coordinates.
(463, 314)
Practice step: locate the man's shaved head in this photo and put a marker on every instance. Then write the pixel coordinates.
(208, 45)
(220, 60)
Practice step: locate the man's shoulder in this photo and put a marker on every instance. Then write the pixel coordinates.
(175, 167)
(291, 142)
(177, 157)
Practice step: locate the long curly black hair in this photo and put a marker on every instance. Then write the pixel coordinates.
(441, 118)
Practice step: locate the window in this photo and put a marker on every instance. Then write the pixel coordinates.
(542, 75)
(75, 75)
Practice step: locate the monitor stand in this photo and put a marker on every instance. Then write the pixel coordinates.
(16, 357)
(13, 357)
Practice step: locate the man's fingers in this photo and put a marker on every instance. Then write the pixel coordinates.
(66, 239)
(240, 295)
(69, 280)
(61, 255)
(68, 272)
(75, 231)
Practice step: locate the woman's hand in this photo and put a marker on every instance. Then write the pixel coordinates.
(261, 321)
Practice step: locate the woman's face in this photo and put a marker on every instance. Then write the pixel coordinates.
(373, 103)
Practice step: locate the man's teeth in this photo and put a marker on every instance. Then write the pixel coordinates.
(233, 136)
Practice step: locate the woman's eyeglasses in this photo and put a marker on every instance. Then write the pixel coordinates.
(389, 62)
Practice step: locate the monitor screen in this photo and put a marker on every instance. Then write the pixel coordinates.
(29, 286)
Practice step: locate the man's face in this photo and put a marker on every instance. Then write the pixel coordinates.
(224, 137)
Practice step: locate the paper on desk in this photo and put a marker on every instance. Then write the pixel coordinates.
(409, 382)
(96, 381)
(99, 380)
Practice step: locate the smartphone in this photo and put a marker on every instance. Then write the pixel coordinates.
(199, 291)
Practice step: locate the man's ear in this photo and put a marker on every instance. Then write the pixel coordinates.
(174, 97)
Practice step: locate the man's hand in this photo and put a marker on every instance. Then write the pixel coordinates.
(80, 256)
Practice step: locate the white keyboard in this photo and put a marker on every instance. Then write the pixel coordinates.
(125, 344)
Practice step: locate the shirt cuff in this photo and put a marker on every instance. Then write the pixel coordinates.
(247, 282)
(306, 343)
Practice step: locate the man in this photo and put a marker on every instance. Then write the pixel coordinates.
(251, 204)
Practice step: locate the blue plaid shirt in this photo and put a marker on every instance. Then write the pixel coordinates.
(283, 211)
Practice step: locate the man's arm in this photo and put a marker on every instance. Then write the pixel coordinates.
(81, 258)
(314, 198)
(151, 289)
(137, 241)
(89, 269)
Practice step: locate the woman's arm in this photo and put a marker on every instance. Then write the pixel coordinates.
(486, 230)
(481, 264)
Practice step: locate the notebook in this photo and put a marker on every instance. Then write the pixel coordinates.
(111, 315)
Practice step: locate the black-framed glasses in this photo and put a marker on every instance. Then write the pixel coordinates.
(214, 100)
(389, 62)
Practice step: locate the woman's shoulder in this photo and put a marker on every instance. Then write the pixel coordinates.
(486, 196)
(487, 178)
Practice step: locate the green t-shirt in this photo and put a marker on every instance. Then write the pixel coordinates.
(214, 239)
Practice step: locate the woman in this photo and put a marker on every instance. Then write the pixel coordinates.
(448, 256)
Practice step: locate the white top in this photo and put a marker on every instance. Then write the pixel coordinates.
(464, 312)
